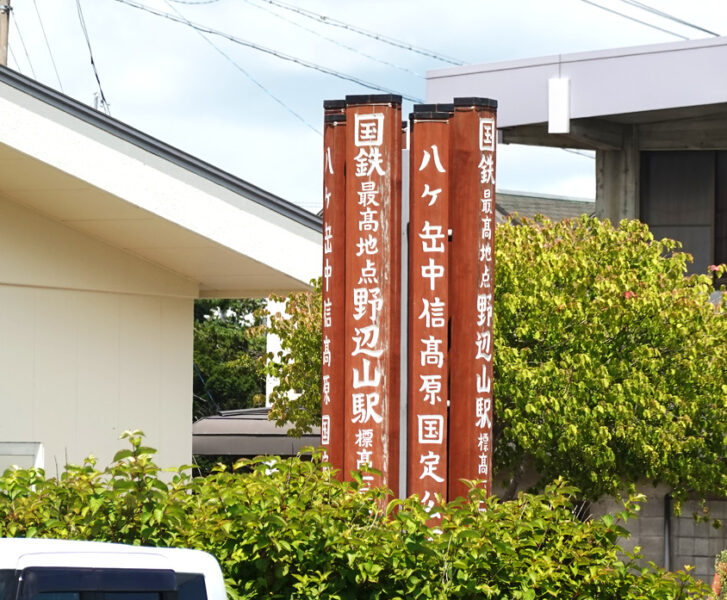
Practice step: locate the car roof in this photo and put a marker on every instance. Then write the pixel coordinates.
(24, 552)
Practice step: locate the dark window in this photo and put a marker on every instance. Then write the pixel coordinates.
(190, 586)
(720, 210)
(58, 583)
(7, 584)
(677, 201)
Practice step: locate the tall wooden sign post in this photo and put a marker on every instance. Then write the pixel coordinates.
(472, 216)
(428, 307)
(334, 280)
(450, 292)
(373, 287)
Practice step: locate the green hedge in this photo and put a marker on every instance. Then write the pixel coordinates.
(286, 529)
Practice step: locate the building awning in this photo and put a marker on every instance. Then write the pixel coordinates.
(676, 93)
(96, 175)
(247, 432)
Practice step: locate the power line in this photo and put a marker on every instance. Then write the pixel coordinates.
(666, 15)
(245, 73)
(192, 3)
(625, 16)
(579, 153)
(104, 103)
(22, 43)
(333, 41)
(47, 45)
(15, 60)
(270, 51)
(371, 34)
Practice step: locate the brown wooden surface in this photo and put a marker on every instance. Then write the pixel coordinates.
(333, 290)
(373, 289)
(472, 219)
(428, 308)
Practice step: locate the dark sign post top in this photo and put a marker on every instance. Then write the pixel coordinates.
(475, 102)
(429, 116)
(334, 118)
(394, 99)
(439, 107)
(334, 104)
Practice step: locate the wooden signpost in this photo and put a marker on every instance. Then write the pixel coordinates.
(373, 288)
(450, 293)
(334, 280)
(428, 307)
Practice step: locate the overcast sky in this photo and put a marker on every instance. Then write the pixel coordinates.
(259, 117)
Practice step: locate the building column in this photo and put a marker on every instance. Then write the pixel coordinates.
(617, 179)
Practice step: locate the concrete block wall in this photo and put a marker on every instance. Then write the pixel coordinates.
(697, 543)
(689, 542)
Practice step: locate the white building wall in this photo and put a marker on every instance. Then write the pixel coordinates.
(93, 341)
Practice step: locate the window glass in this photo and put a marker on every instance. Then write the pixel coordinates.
(129, 596)
(57, 596)
(190, 586)
(7, 584)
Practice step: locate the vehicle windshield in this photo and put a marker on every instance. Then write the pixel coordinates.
(60, 583)
(7, 584)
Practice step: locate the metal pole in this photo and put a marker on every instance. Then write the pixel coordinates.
(4, 29)
(403, 342)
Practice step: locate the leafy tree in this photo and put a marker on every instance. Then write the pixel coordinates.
(610, 362)
(288, 529)
(297, 397)
(228, 343)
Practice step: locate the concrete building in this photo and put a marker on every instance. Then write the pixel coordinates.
(106, 238)
(656, 117)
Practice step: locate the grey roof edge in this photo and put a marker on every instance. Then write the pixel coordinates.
(158, 148)
(572, 57)
(545, 196)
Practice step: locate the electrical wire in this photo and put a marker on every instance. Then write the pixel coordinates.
(332, 40)
(15, 60)
(247, 74)
(579, 153)
(47, 45)
(104, 103)
(22, 43)
(666, 15)
(371, 34)
(625, 16)
(240, 41)
(190, 2)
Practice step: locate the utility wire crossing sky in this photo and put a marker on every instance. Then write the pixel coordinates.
(240, 83)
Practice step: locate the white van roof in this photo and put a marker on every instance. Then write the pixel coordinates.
(21, 553)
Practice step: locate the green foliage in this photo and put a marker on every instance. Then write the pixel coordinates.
(610, 363)
(229, 340)
(297, 397)
(720, 569)
(288, 529)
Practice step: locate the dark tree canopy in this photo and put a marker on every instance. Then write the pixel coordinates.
(229, 341)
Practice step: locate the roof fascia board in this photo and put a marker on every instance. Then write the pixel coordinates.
(604, 83)
(576, 57)
(159, 148)
(176, 195)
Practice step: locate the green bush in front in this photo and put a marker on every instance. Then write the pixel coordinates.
(287, 529)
